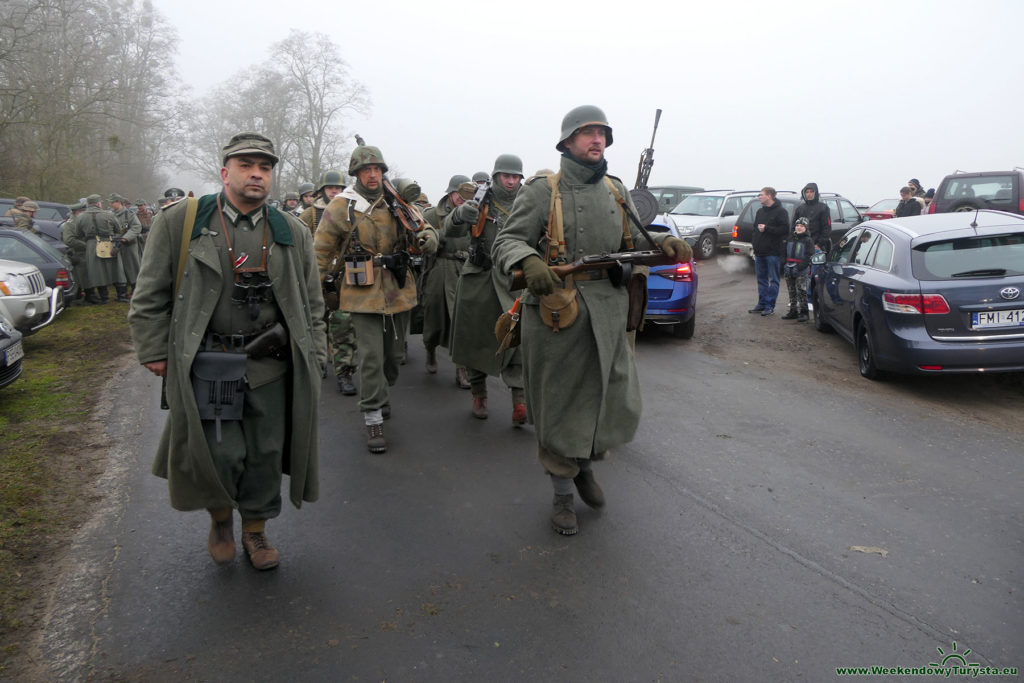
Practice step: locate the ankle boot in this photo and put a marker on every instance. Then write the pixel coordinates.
(480, 407)
(104, 293)
(345, 384)
(563, 515)
(803, 317)
(92, 296)
(791, 315)
(432, 360)
(122, 293)
(375, 438)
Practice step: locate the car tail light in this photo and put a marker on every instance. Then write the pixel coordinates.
(1020, 206)
(929, 304)
(735, 232)
(63, 280)
(932, 207)
(682, 273)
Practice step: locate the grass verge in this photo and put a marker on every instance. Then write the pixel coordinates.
(46, 470)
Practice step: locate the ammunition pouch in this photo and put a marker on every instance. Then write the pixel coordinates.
(106, 248)
(218, 382)
(479, 257)
(636, 288)
(560, 308)
(358, 269)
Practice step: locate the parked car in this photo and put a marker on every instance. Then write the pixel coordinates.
(842, 212)
(672, 291)
(670, 195)
(999, 190)
(18, 245)
(708, 217)
(11, 352)
(880, 210)
(47, 220)
(927, 294)
(25, 299)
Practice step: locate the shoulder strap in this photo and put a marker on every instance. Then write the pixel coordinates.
(556, 227)
(186, 237)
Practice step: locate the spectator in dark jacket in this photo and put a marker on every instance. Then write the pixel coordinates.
(819, 221)
(771, 225)
(799, 248)
(909, 204)
(915, 187)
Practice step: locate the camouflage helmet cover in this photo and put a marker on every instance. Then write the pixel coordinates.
(455, 181)
(585, 115)
(330, 178)
(508, 163)
(365, 155)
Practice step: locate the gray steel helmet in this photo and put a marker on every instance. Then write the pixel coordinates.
(585, 115)
(305, 187)
(291, 195)
(330, 177)
(508, 163)
(363, 156)
(481, 177)
(455, 182)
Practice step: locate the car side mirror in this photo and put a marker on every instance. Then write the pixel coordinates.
(818, 259)
(729, 213)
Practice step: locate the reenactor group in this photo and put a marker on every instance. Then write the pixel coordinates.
(229, 308)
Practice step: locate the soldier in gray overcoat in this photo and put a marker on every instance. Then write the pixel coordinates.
(483, 294)
(94, 225)
(130, 251)
(249, 270)
(442, 277)
(582, 390)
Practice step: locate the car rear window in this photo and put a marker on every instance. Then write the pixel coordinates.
(699, 205)
(993, 188)
(982, 256)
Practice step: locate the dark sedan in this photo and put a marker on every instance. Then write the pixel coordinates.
(18, 245)
(928, 294)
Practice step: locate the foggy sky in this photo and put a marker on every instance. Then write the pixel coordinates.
(858, 97)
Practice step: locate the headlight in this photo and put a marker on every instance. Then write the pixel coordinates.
(5, 327)
(12, 284)
(686, 229)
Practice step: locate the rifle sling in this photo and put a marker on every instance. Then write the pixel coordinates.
(191, 208)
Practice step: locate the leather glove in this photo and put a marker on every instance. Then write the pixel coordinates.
(467, 212)
(428, 242)
(540, 279)
(677, 249)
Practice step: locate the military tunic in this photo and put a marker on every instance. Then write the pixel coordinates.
(582, 390)
(130, 251)
(442, 278)
(284, 394)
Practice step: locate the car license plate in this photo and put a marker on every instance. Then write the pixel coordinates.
(1013, 317)
(14, 354)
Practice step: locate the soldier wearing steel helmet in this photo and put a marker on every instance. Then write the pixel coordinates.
(290, 203)
(482, 294)
(442, 275)
(376, 284)
(582, 390)
(130, 251)
(306, 198)
(341, 336)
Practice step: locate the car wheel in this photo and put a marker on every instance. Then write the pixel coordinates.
(866, 354)
(705, 246)
(819, 320)
(964, 206)
(685, 330)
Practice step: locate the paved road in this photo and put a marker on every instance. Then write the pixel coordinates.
(724, 552)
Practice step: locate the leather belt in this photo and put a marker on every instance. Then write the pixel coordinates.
(231, 342)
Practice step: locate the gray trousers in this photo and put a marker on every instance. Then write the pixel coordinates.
(381, 345)
(249, 455)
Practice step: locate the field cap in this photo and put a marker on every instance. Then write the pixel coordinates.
(249, 143)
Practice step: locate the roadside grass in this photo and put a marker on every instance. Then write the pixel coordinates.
(45, 471)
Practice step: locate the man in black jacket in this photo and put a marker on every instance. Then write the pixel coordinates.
(819, 221)
(771, 225)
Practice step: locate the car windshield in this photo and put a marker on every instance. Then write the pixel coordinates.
(979, 256)
(885, 205)
(699, 205)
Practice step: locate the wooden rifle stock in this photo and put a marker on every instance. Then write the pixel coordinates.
(651, 257)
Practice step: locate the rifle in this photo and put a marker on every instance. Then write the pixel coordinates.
(623, 259)
(643, 172)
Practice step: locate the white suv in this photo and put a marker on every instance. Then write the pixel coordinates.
(705, 219)
(25, 299)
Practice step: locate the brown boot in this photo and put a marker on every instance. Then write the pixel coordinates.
(221, 542)
(588, 488)
(261, 554)
(375, 438)
(563, 515)
(480, 407)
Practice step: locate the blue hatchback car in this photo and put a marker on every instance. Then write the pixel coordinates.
(672, 293)
(941, 293)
